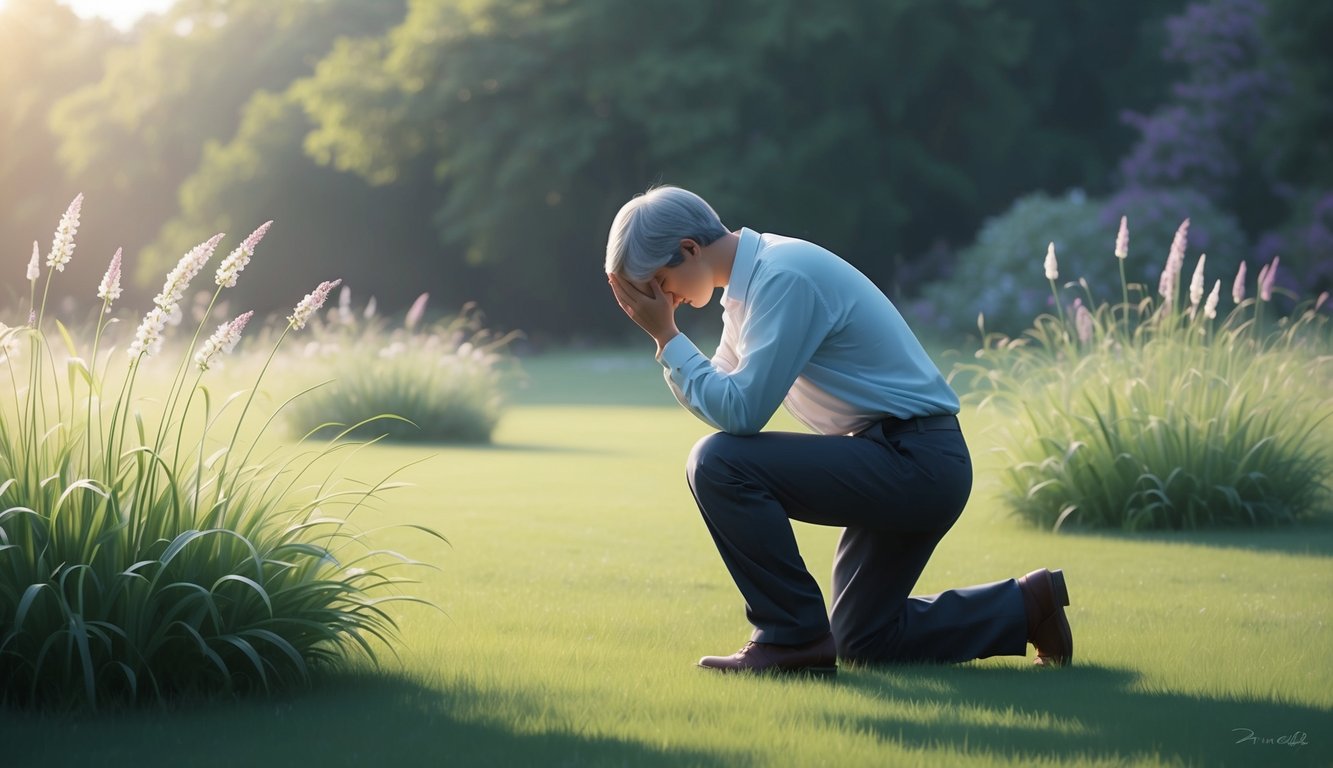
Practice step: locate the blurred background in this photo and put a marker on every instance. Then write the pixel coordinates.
(478, 149)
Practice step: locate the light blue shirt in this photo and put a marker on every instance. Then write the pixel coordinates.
(804, 328)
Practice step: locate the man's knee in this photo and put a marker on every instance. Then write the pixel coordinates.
(710, 457)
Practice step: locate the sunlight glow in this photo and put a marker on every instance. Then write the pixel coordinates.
(122, 13)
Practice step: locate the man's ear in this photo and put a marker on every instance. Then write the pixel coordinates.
(689, 246)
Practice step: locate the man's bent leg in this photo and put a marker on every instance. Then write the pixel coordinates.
(754, 536)
(875, 621)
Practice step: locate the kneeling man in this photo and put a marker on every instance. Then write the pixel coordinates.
(888, 463)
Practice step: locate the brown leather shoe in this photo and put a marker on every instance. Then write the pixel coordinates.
(1045, 595)
(819, 657)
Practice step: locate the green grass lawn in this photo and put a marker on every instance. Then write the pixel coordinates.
(580, 587)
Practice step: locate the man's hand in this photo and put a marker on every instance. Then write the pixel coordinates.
(654, 312)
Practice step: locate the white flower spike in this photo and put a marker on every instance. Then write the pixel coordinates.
(1196, 283)
(109, 290)
(62, 245)
(223, 340)
(1210, 307)
(34, 265)
(236, 261)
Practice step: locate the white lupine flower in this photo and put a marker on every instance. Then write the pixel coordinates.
(178, 279)
(1083, 322)
(109, 289)
(1122, 239)
(1052, 269)
(1319, 302)
(1196, 283)
(1210, 307)
(237, 260)
(415, 313)
(311, 304)
(345, 305)
(1238, 287)
(370, 308)
(1175, 261)
(34, 265)
(222, 341)
(148, 338)
(1269, 276)
(62, 245)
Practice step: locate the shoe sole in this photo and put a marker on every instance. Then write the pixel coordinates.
(821, 672)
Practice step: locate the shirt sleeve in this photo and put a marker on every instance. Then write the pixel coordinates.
(785, 323)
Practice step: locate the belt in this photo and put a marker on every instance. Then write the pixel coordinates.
(891, 425)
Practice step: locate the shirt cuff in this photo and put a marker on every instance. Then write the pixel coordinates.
(677, 354)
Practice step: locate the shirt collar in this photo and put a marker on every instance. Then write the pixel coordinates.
(742, 266)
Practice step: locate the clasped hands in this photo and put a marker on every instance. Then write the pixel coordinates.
(653, 311)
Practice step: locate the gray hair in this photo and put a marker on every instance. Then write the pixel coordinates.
(646, 233)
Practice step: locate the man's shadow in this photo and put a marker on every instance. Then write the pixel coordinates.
(1099, 713)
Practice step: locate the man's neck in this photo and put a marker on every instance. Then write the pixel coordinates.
(721, 255)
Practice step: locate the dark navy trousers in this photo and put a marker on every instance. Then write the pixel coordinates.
(896, 489)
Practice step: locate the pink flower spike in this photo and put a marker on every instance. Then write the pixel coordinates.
(253, 240)
(1175, 261)
(311, 304)
(1238, 287)
(34, 265)
(418, 309)
(1263, 279)
(109, 289)
(1122, 239)
(1269, 278)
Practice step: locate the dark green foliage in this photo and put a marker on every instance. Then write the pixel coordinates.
(875, 128)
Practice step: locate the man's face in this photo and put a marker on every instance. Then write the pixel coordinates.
(689, 282)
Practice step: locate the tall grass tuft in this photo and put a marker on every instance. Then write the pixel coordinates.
(1156, 413)
(438, 382)
(145, 552)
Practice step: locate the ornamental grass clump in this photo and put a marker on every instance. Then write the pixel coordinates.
(145, 554)
(1158, 412)
(438, 382)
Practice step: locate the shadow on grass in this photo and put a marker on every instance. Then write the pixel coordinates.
(1097, 713)
(1314, 538)
(346, 719)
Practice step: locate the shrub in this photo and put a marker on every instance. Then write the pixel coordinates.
(1157, 414)
(423, 382)
(144, 557)
(997, 278)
